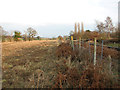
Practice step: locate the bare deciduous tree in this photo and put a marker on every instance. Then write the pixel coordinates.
(31, 33)
(105, 28)
(71, 32)
(100, 27)
(3, 33)
(109, 26)
(25, 36)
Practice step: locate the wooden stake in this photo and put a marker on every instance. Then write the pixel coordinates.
(110, 63)
(72, 42)
(80, 43)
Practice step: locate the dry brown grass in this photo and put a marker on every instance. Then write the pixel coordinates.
(10, 48)
(34, 65)
(20, 60)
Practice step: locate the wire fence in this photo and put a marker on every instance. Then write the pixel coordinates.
(92, 48)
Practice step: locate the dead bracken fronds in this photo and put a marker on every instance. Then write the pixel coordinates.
(64, 50)
(37, 66)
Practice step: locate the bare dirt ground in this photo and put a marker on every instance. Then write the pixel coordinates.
(22, 62)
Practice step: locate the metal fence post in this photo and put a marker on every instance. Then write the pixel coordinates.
(109, 62)
(80, 43)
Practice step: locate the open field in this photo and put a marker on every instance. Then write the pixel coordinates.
(23, 59)
(59, 44)
(34, 64)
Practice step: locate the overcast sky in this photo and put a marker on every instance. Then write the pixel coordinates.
(55, 17)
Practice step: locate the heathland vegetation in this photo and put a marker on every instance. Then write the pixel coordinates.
(82, 59)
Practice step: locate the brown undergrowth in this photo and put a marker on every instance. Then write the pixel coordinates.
(65, 50)
(78, 71)
(36, 66)
(91, 76)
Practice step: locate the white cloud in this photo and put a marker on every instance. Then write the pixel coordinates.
(42, 12)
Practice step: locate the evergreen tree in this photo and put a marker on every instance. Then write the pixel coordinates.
(17, 35)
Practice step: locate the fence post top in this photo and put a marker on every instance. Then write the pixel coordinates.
(95, 39)
(71, 37)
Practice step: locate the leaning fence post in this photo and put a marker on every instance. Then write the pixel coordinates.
(94, 51)
(80, 43)
(72, 42)
(102, 50)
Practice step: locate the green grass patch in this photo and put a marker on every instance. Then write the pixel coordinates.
(114, 44)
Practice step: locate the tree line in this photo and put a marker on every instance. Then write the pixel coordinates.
(104, 30)
(30, 33)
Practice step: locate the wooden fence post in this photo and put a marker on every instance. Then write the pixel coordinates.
(72, 42)
(95, 51)
(0, 61)
(109, 62)
(80, 43)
